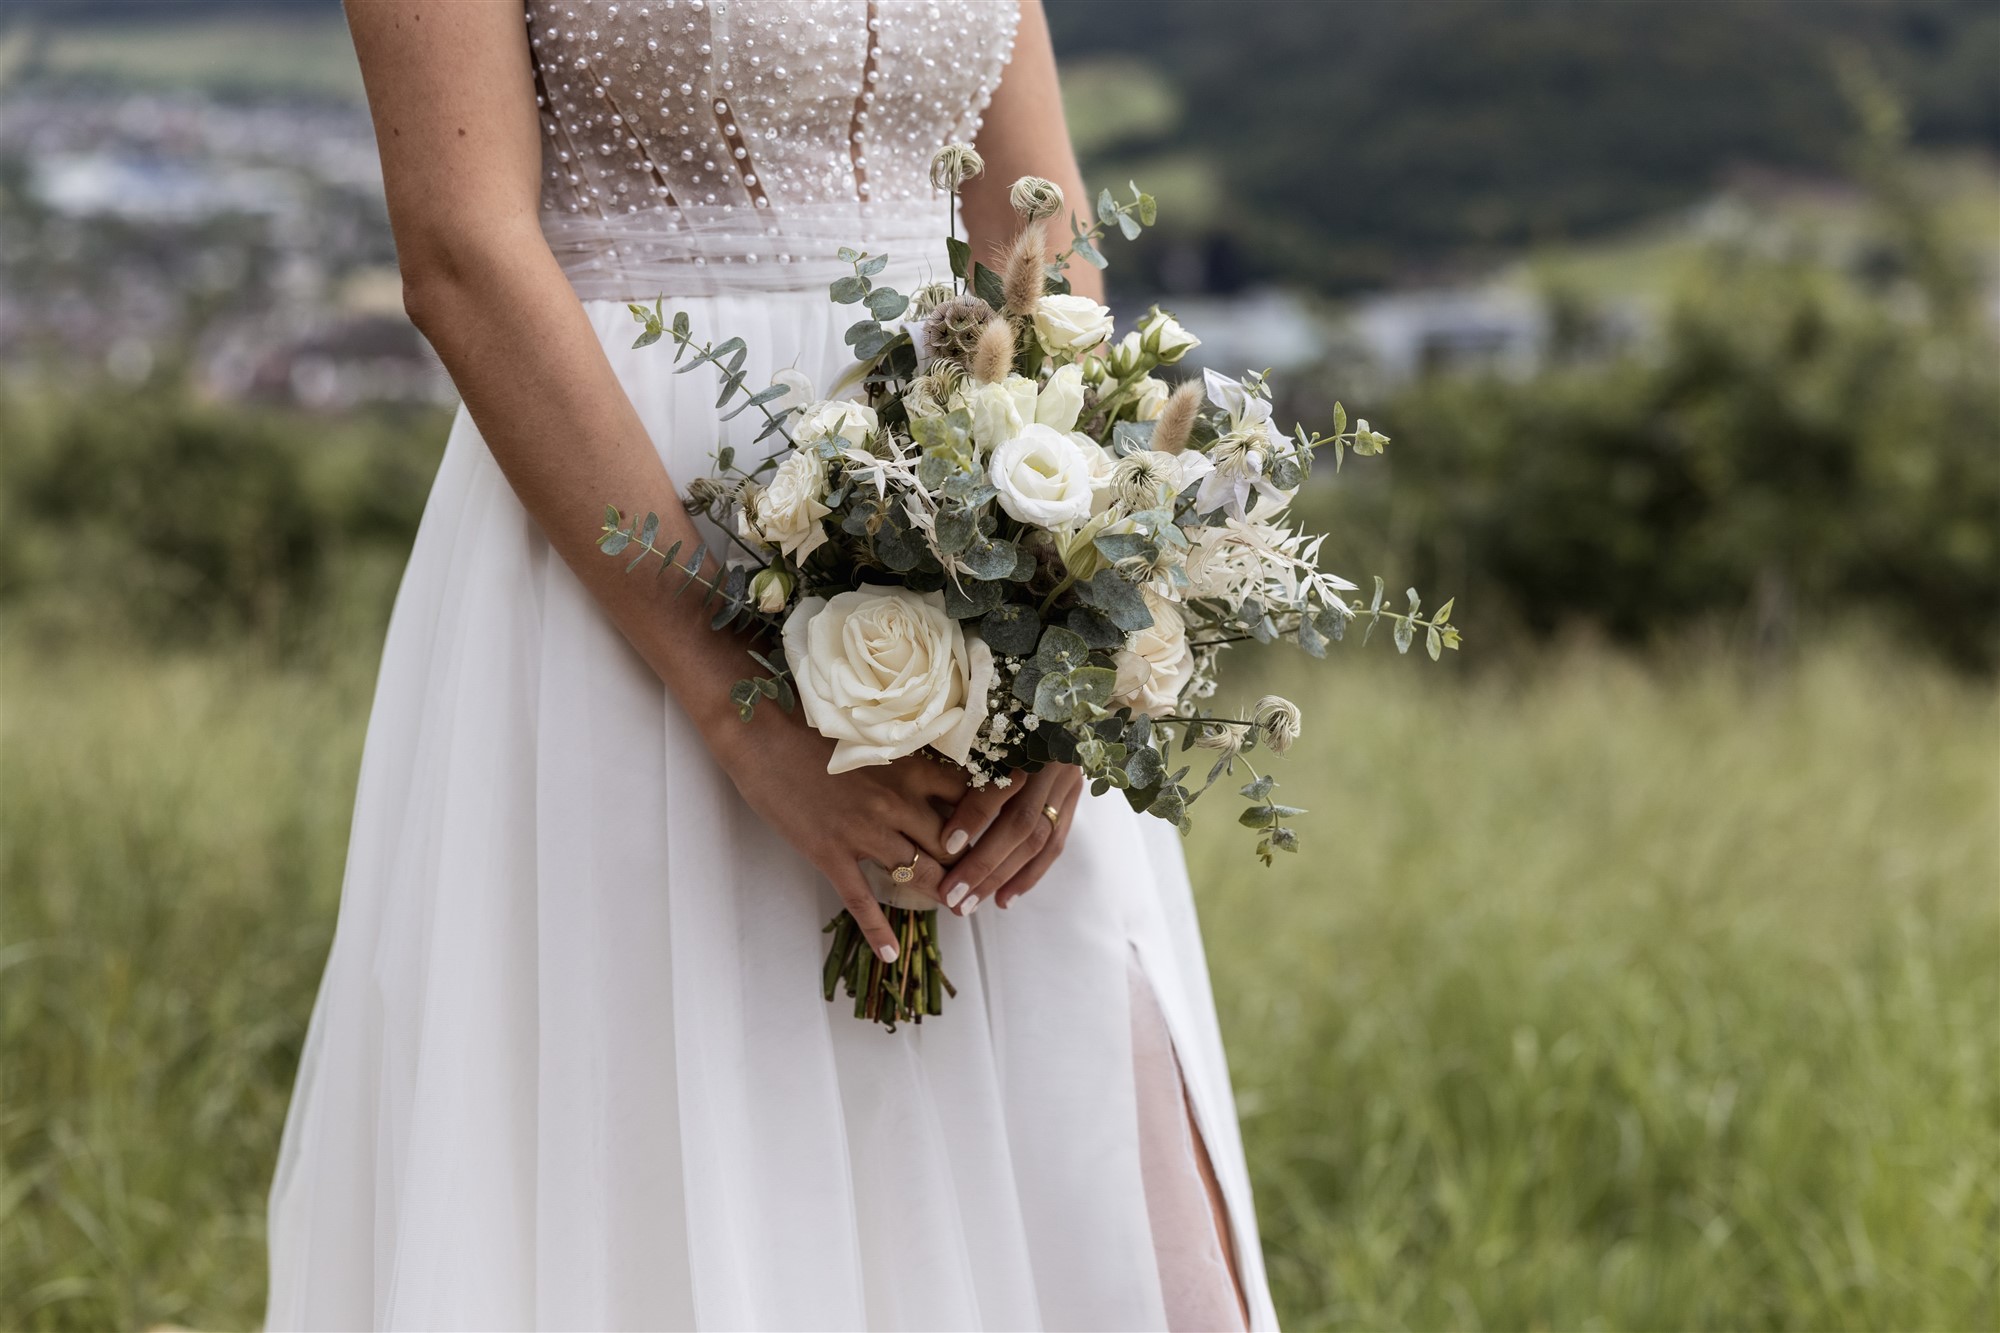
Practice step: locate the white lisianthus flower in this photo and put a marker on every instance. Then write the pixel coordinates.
(770, 589)
(786, 513)
(1150, 399)
(1044, 477)
(1000, 411)
(798, 391)
(1156, 663)
(1162, 335)
(883, 672)
(1060, 402)
(1243, 455)
(1071, 323)
(850, 423)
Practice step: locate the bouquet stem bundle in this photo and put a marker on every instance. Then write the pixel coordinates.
(888, 993)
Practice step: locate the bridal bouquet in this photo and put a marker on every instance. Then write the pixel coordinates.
(1006, 538)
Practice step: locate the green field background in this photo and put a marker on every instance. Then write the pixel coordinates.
(1605, 994)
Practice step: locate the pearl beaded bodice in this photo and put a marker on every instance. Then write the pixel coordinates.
(695, 145)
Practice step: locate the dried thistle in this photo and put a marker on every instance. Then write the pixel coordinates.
(1176, 423)
(953, 330)
(994, 355)
(1025, 270)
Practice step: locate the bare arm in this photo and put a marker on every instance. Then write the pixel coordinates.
(1025, 135)
(451, 89)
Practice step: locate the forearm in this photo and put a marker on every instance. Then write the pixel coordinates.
(535, 379)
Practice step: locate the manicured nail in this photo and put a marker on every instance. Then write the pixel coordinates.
(956, 842)
(889, 953)
(972, 905)
(957, 892)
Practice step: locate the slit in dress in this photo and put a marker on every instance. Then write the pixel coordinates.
(1191, 1234)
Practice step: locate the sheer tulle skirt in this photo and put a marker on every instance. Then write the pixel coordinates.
(570, 1066)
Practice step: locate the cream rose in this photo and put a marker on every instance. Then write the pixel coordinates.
(849, 423)
(1071, 323)
(999, 411)
(1150, 399)
(883, 672)
(1162, 336)
(787, 513)
(1060, 402)
(1156, 663)
(1044, 477)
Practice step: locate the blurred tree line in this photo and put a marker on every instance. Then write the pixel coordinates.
(1806, 436)
(1347, 145)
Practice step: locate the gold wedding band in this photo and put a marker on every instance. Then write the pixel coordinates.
(1055, 815)
(904, 874)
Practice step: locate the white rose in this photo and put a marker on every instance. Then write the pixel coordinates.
(1156, 663)
(1071, 323)
(1044, 477)
(798, 391)
(999, 411)
(770, 589)
(850, 423)
(1060, 402)
(1150, 399)
(883, 672)
(787, 513)
(1162, 335)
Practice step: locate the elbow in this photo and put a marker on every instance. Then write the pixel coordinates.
(448, 275)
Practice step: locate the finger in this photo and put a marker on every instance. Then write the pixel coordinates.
(1001, 844)
(1041, 833)
(920, 824)
(1029, 875)
(893, 850)
(924, 779)
(861, 905)
(975, 814)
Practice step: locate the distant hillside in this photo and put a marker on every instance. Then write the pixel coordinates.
(1347, 144)
(1341, 145)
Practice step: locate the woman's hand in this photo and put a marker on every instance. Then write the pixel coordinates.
(1014, 836)
(891, 814)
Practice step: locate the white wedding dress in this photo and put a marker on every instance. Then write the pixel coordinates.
(569, 1065)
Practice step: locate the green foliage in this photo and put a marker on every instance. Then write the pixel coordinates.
(174, 520)
(1797, 441)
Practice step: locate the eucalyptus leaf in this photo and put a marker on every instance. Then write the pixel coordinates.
(961, 257)
(848, 290)
(1108, 591)
(1094, 628)
(967, 598)
(989, 559)
(1012, 629)
(955, 530)
(887, 303)
(1144, 767)
(1061, 649)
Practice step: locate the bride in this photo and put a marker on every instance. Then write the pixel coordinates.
(569, 1064)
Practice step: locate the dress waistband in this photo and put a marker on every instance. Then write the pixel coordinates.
(715, 251)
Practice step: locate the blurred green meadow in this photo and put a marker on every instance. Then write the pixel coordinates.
(1608, 993)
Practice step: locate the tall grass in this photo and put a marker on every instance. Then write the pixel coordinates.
(1601, 997)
